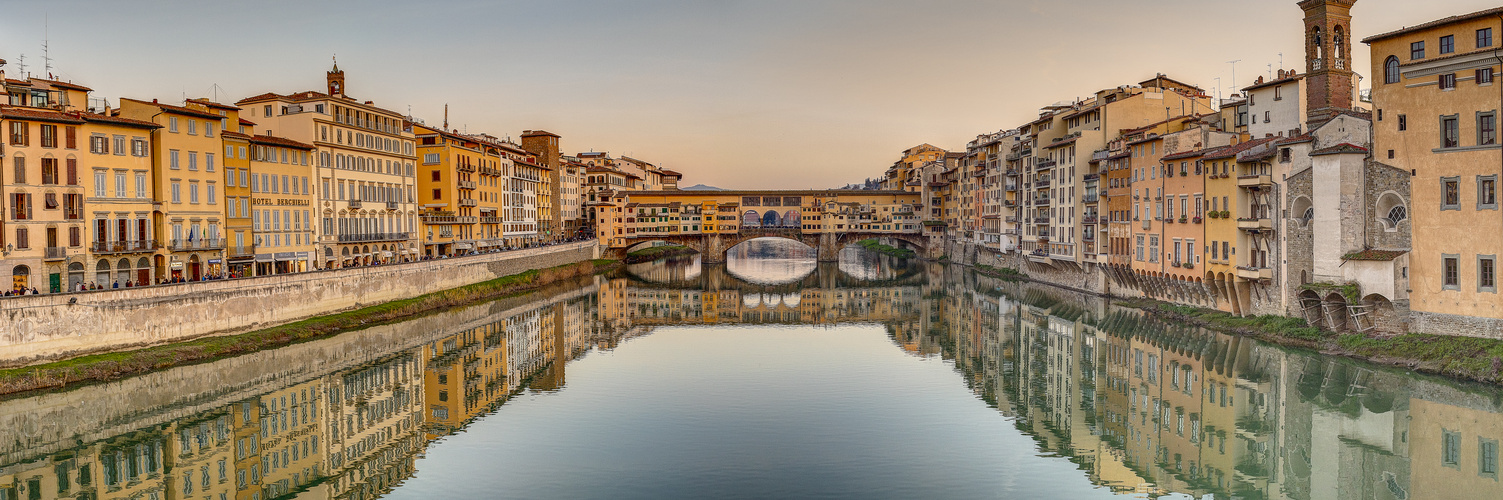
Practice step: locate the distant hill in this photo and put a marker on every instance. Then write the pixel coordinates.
(701, 187)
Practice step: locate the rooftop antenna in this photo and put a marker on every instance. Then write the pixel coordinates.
(1234, 70)
(1218, 91)
(215, 89)
(446, 116)
(46, 50)
(21, 65)
(1270, 71)
(1281, 60)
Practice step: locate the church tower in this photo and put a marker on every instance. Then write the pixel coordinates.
(336, 81)
(1330, 81)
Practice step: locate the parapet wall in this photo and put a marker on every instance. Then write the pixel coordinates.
(44, 327)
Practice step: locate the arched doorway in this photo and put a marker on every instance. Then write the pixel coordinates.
(122, 272)
(75, 275)
(20, 277)
(194, 267)
(102, 273)
(143, 272)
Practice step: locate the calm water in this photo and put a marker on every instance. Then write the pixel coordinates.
(772, 376)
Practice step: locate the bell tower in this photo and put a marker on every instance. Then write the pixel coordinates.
(1330, 81)
(336, 80)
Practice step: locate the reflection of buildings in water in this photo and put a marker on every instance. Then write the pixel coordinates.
(631, 306)
(771, 261)
(669, 270)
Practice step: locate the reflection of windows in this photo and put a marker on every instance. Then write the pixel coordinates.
(440, 413)
(1487, 457)
(1450, 193)
(1450, 448)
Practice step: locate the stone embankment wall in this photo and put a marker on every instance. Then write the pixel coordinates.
(56, 422)
(45, 327)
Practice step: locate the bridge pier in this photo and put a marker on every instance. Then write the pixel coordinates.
(829, 247)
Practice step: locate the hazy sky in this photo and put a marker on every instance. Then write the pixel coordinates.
(735, 94)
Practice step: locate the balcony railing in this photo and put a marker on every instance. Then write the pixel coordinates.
(355, 204)
(56, 253)
(104, 247)
(197, 244)
(1041, 200)
(1089, 219)
(364, 237)
(449, 219)
(1253, 223)
(1043, 164)
(463, 202)
(1090, 198)
(1041, 183)
(1254, 273)
(1254, 180)
(466, 184)
(1040, 220)
(465, 168)
(490, 220)
(392, 205)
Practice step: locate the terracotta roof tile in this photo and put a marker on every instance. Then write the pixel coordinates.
(177, 109)
(278, 141)
(46, 115)
(65, 85)
(1438, 22)
(93, 117)
(1231, 151)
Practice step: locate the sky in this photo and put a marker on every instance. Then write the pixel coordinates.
(770, 94)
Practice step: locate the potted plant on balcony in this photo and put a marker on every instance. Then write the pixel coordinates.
(1188, 265)
(1196, 220)
(1175, 264)
(1214, 214)
(1183, 219)
(1226, 214)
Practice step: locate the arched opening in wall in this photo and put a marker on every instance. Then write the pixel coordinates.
(143, 272)
(1302, 210)
(1336, 314)
(771, 219)
(1374, 312)
(751, 218)
(1311, 309)
(122, 272)
(102, 273)
(20, 277)
(792, 218)
(660, 261)
(1391, 211)
(75, 275)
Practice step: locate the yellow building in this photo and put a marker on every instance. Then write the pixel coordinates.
(448, 191)
(119, 200)
(282, 204)
(186, 178)
(364, 162)
(1436, 115)
(44, 220)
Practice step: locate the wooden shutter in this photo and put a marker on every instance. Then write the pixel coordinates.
(73, 236)
(21, 239)
(29, 213)
(72, 171)
(71, 137)
(20, 174)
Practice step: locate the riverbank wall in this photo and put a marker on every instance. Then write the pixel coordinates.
(51, 327)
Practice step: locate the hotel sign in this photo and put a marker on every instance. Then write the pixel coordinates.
(288, 202)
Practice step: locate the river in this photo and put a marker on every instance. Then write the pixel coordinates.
(771, 376)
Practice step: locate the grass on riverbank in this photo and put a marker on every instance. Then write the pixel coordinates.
(655, 253)
(1469, 358)
(1002, 273)
(99, 367)
(892, 251)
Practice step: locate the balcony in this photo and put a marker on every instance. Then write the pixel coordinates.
(1009, 203)
(1090, 198)
(1040, 257)
(1249, 181)
(1043, 165)
(1041, 183)
(1089, 219)
(1254, 224)
(112, 247)
(1092, 177)
(1011, 220)
(490, 220)
(1040, 220)
(466, 184)
(1041, 200)
(1010, 186)
(1043, 235)
(449, 219)
(354, 204)
(392, 205)
(56, 253)
(367, 237)
(1254, 273)
(465, 202)
(490, 171)
(197, 244)
(1011, 172)
(465, 168)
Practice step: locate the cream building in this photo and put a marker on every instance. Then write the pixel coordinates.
(364, 165)
(188, 179)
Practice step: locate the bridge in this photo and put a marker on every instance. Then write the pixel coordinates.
(712, 222)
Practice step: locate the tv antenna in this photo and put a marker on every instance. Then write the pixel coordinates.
(1234, 70)
(46, 42)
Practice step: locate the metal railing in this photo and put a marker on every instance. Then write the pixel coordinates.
(56, 253)
(363, 237)
(392, 205)
(123, 246)
(354, 203)
(197, 244)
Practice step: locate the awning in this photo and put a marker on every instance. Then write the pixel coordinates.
(285, 255)
(386, 254)
(264, 257)
(463, 246)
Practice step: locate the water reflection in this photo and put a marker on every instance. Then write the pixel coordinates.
(1136, 406)
(771, 261)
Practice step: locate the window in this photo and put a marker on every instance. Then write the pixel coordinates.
(1450, 192)
(1450, 132)
(1487, 457)
(49, 136)
(172, 156)
(1487, 192)
(1140, 248)
(1403, 123)
(1448, 44)
(193, 192)
(1417, 50)
(1484, 76)
(208, 162)
(120, 184)
(138, 147)
(1484, 37)
(1450, 448)
(172, 124)
(1487, 273)
(192, 127)
(1487, 129)
(1448, 81)
(177, 192)
(210, 192)
(1450, 266)
(1396, 215)
(193, 160)
(140, 185)
(1391, 70)
(99, 184)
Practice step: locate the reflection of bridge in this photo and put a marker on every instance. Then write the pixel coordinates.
(715, 277)
(712, 222)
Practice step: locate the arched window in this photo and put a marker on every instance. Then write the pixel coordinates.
(1391, 70)
(751, 219)
(770, 219)
(1319, 43)
(1338, 42)
(20, 277)
(1397, 214)
(1309, 215)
